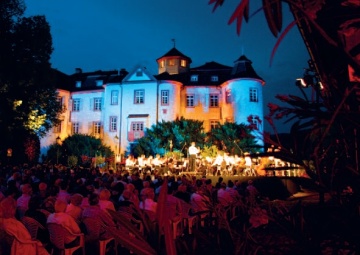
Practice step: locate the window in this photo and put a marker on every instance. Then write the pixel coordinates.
(75, 127)
(114, 97)
(253, 95)
(162, 64)
(183, 63)
(97, 127)
(113, 123)
(76, 105)
(60, 100)
(171, 62)
(214, 78)
(214, 101)
(57, 128)
(194, 77)
(214, 124)
(139, 96)
(254, 121)
(165, 97)
(137, 126)
(136, 130)
(190, 100)
(97, 104)
(78, 84)
(139, 73)
(99, 83)
(228, 96)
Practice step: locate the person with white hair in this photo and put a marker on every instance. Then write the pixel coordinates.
(14, 227)
(23, 201)
(64, 219)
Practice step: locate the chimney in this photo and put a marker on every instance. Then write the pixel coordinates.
(78, 70)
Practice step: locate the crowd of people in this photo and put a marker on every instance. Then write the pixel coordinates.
(70, 196)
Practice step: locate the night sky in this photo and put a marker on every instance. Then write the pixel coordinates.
(112, 34)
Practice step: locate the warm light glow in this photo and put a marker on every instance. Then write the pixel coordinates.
(35, 120)
(17, 103)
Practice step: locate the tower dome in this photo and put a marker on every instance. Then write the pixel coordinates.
(173, 62)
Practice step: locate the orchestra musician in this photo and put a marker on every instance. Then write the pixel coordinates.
(193, 151)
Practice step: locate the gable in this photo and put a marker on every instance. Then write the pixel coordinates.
(139, 74)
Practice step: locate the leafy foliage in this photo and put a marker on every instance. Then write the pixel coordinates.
(28, 98)
(79, 146)
(181, 132)
(233, 138)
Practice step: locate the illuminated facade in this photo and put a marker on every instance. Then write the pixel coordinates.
(117, 106)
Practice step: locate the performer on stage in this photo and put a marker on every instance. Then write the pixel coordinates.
(193, 151)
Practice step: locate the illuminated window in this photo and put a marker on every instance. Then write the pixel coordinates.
(78, 84)
(253, 94)
(57, 128)
(214, 78)
(114, 97)
(183, 63)
(113, 123)
(162, 64)
(165, 97)
(137, 126)
(214, 100)
(97, 104)
(190, 100)
(75, 126)
(139, 96)
(76, 105)
(171, 62)
(214, 124)
(99, 82)
(194, 77)
(97, 127)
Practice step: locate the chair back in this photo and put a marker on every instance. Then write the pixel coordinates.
(57, 235)
(93, 228)
(32, 226)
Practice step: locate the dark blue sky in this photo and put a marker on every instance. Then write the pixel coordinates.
(112, 34)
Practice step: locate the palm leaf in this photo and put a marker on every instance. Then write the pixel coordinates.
(286, 30)
(240, 11)
(269, 15)
(137, 246)
(126, 224)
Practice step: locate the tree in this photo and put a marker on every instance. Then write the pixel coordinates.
(28, 97)
(180, 132)
(233, 138)
(83, 147)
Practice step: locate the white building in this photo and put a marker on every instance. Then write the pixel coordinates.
(117, 106)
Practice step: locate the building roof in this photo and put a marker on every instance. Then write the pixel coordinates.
(206, 73)
(95, 80)
(175, 53)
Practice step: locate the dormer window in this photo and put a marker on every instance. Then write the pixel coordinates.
(162, 64)
(99, 82)
(183, 63)
(139, 73)
(171, 62)
(78, 84)
(214, 78)
(194, 77)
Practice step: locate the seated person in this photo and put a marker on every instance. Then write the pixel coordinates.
(13, 227)
(65, 220)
